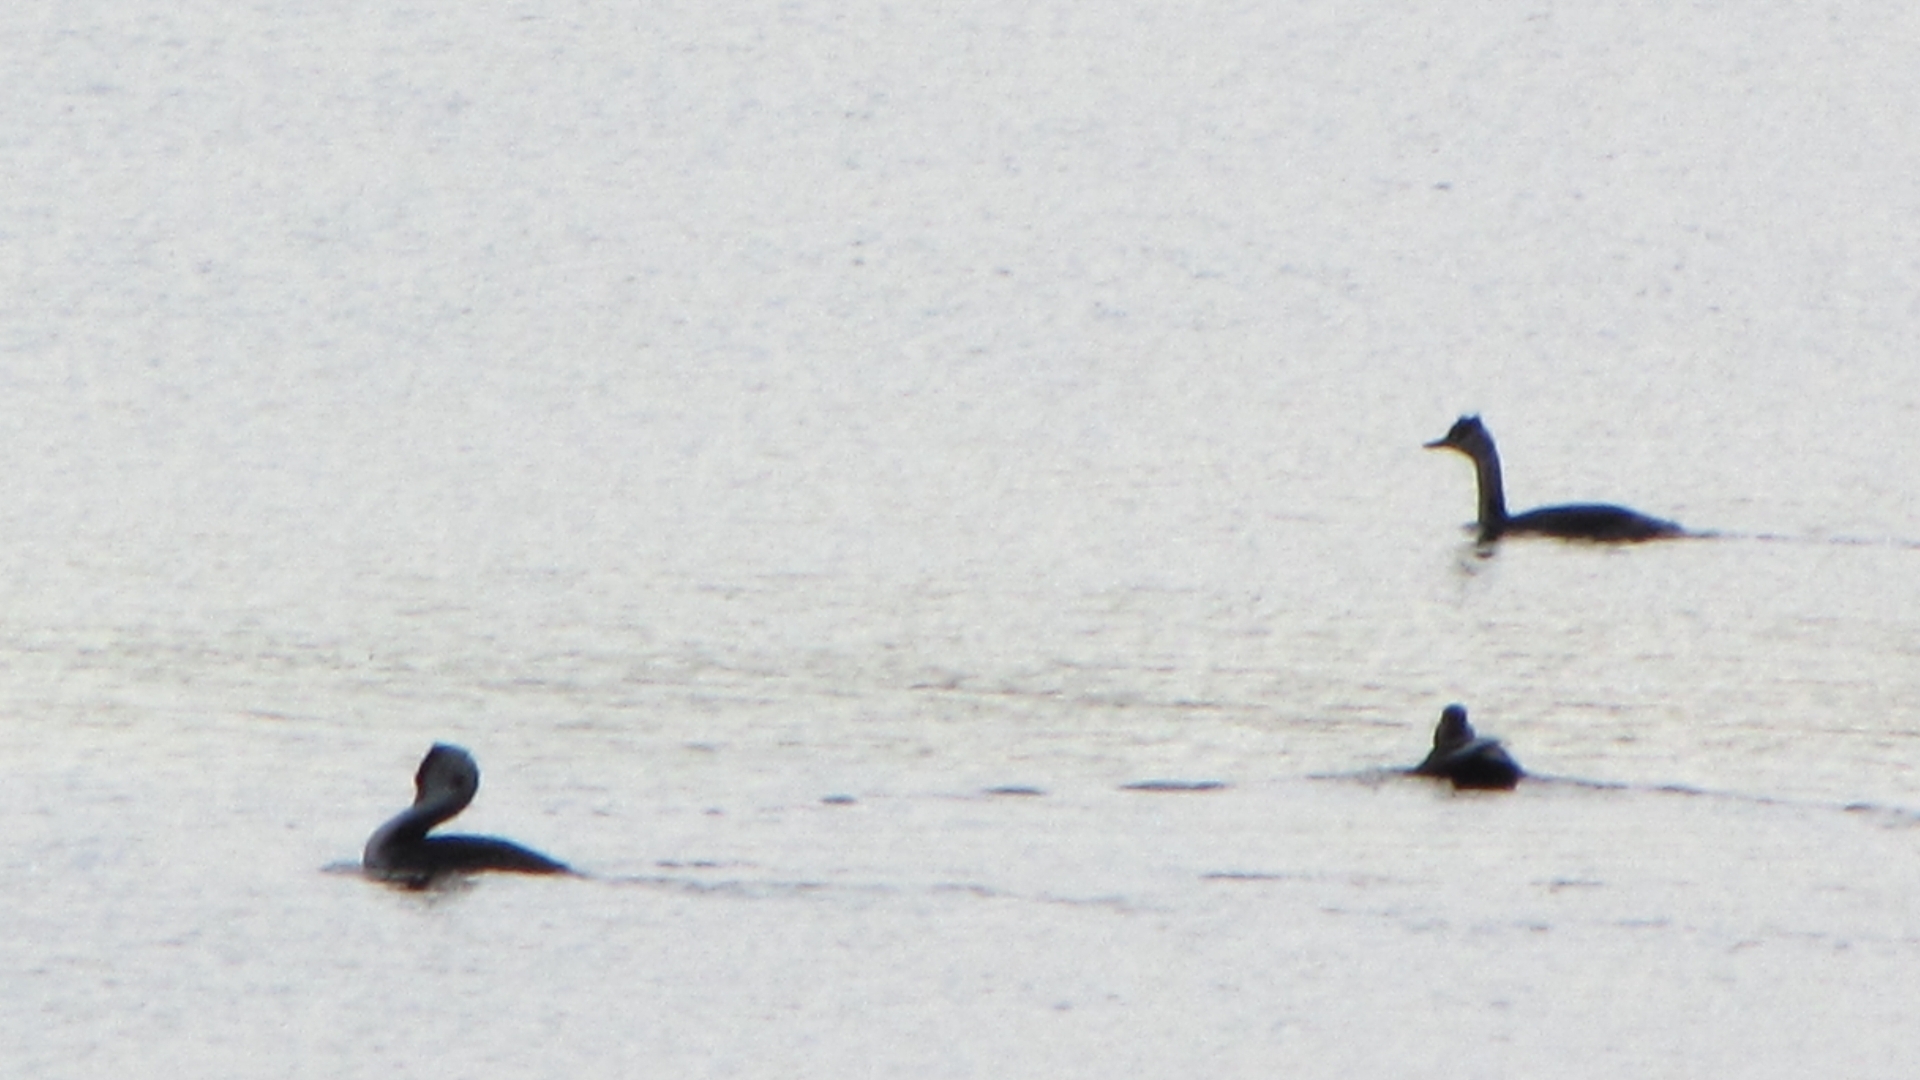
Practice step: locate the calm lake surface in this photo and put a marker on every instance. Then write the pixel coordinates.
(816, 457)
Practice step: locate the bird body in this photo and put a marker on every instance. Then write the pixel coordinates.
(443, 786)
(1597, 522)
(1467, 759)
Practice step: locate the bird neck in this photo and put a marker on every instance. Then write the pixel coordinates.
(411, 825)
(1493, 494)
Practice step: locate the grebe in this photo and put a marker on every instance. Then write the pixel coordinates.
(1577, 521)
(1466, 759)
(401, 849)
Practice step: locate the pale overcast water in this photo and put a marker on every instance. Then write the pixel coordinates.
(818, 456)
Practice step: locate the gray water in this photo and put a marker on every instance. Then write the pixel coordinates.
(760, 432)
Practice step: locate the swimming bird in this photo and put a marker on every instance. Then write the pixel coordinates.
(1602, 522)
(445, 783)
(1465, 758)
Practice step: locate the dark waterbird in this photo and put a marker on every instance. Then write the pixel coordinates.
(1600, 522)
(445, 783)
(1465, 758)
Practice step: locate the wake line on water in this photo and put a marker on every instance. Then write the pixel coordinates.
(770, 889)
(749, 888)
(1897, 542)
(1785, 538)
(1483, 551)
(1907, 814)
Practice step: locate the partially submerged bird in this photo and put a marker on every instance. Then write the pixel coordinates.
(445, 783)
(1465, 758)
(1602, 522)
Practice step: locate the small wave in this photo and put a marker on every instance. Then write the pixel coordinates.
(1175, 785)
(1785, 538)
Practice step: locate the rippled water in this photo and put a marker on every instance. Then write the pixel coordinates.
(763, 434)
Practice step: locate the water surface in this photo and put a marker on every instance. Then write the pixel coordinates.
(761, 434)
